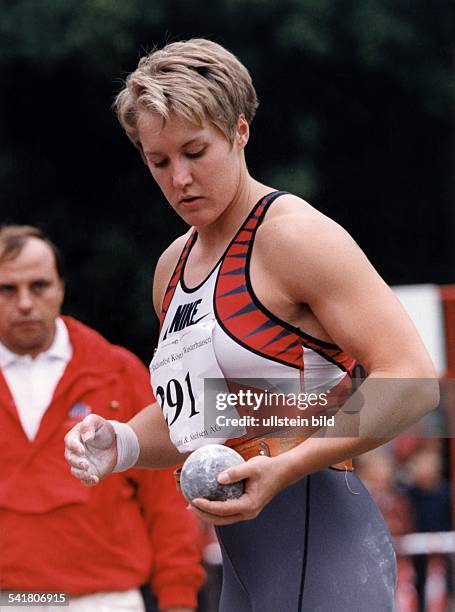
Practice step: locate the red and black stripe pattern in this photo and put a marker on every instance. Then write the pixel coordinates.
(176, 276)
(247, 321)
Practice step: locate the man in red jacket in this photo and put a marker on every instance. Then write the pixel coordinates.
(100, 544)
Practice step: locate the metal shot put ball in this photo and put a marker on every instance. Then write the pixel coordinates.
(198, 477)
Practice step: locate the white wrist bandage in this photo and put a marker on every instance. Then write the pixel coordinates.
(127, 446)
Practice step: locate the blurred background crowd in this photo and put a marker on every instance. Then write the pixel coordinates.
(408, 479)
(356, 116)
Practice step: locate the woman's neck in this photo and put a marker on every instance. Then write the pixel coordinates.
(223, 229)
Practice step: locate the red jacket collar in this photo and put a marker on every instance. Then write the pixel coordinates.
(94, 361)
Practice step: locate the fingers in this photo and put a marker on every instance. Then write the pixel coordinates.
(85, 432)
(78, 473)
(239, 472)
(82, 432)
(230, 476)
(76, 451)
(89, 426)
(222, 508)
(246, 507)
(74, 448)
(80, 468)
(84, 444)
(76, 460)
(73, 440)
(224, 512)
(73, 445)
(212, 519)
(89, 480)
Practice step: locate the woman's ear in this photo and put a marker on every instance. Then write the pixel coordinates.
(242, 132)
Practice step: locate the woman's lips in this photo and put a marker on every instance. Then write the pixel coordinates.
(190, 201)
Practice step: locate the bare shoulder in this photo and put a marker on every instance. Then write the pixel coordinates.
(164, 269)
(297, 237)
(291, 217)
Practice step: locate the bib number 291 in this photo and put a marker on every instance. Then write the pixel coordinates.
(176, 396)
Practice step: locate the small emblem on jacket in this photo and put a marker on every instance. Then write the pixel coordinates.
(79, 411)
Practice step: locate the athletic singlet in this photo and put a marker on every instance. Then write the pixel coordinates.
(220, 330)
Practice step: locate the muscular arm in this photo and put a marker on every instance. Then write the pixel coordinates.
(315, 267)
(359, 313)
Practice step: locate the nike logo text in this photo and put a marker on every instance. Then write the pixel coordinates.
(184, 317)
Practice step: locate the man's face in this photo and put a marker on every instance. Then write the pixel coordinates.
(31, 294)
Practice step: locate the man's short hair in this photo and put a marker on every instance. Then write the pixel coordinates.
(198, 80)
(14, 237)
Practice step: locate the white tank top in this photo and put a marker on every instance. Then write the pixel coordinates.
(220, 331)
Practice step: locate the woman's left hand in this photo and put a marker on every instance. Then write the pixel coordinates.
(263, 481)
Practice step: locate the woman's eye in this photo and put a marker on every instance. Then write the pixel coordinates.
(195, 154)
(160, 164)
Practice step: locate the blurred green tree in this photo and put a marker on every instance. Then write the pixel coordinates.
(355, 115)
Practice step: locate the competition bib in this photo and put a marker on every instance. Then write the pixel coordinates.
(178, 371)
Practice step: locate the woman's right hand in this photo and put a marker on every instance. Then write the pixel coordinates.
(91, 449)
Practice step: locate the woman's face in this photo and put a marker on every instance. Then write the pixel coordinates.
(196, 168)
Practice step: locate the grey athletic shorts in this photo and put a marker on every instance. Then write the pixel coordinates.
(320, 545)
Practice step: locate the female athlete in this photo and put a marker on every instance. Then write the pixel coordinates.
(264, 287)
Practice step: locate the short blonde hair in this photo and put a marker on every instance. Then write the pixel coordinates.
(197, 79)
